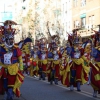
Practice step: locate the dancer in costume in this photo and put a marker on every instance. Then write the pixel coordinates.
(78, 70)
(35, 61)
(64, 68)
(1, 82)
(11, 64)
(43, 59)
(95, 66)
(56, 60)
(24, 45)
(50, 71)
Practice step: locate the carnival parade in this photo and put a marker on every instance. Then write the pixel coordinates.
(74, 64)
(50, 50)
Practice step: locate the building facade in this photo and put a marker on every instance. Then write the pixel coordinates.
(85, 15)
(66, 16)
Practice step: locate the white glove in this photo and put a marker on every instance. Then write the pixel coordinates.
(0, 67)
(28, 64)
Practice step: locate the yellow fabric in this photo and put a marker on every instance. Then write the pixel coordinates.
(85, 68)
(35, 59)
(31, 70)
(10, 85)
(18, 83)
(50, 59)
(84, 58)
(56, 62)
(94, 87)
(97, 77)
(98, 63)
(48, 71)
(36, 68)
(64, 72)
(19, 58)
(20, 62)
(95, 65)
(87, 49)
(13, 69)
(44, 61)
(1, 64)
(26, 49)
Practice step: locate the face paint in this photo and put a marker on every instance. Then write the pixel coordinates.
(9, 40)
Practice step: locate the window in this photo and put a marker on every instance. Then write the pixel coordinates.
(75, 3)
(91, 20)
(66, 6)
(23, 7)
(83, 22)
(83, 3)
(66, 25)
(76, 24)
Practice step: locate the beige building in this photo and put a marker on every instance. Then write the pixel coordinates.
(86, 15)
(66, 19)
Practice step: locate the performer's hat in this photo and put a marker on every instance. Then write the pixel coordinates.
(27, 40)
(43, 47)
(7, 30)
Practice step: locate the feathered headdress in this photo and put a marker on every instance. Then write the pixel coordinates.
(95, 37)
(6, 30)
(74, 38)
(43, 44)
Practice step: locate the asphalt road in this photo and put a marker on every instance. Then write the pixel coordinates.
(35, 89)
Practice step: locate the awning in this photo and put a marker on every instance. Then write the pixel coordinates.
(86, 34)
(83, 15)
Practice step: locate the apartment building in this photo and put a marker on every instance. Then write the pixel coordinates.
(66, 19)
(85, 15)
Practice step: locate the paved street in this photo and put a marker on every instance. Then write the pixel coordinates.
(34, 89)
